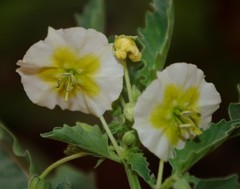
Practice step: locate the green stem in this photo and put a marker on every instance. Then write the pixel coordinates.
(112, 139)
(127, 81)
(60, 162)
(123, 103)
(160, 175)
(132, 178)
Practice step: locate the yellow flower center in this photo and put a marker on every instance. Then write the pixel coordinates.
(177, 115)
(70, 73)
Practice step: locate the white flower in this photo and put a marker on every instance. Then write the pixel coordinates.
(175, 107)
(74, 68)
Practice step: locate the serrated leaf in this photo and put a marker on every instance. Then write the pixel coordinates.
(88, 138)
(73, 179)
(230, 182)
(139, 164)
(155, 39)
(93, 16)
(195, 149)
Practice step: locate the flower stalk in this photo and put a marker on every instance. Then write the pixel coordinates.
(111, 137)
(127, 81)
(160, 175)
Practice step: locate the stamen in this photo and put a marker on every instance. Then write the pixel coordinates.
(187, 122)
(185, 125)
(68, 81)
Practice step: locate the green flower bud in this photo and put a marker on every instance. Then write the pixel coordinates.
(135, 93)
(128, 111)
(38, 183)
(129, 138)
(181, 184)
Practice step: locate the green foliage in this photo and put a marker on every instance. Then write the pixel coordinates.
(65, 185)
(139, 164)
(118, 120)
(67, 177)
(11, 174)
(234, 110)
(93, 16)
(196, 149)
(14, 161)
(230, 182)
(155, 39)
(38, 183)
(88, 138)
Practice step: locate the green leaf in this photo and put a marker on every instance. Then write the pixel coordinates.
(196, 149)
(14, 166)
(88, 138)
(234, 110)
(11, 175)
(73, 179)
(230, 182)
(93, 16)
(65, 185)
(140, 165)
(155, 39)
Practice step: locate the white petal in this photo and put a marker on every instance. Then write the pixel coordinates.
(180, 74)
(38, 55)
(55, 38)
(75, 37)
(154, 140)
(209, 101)
(151, 97)
(37, 90)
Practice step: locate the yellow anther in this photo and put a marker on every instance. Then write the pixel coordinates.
(125, 47)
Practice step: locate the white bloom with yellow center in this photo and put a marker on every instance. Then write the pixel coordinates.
(74, 68)
(175, 107)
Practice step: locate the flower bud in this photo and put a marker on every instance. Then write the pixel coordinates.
(181, 184)
(128, 111)
(135, 93)
(129, 138)
(125, 47)
(38, 183)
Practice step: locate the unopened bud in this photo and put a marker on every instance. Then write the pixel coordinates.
(181, 184)
(135, 93)
(128, 111)
(129, 138)
(125, 46)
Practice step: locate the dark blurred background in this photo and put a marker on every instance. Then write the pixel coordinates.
(206, 33)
